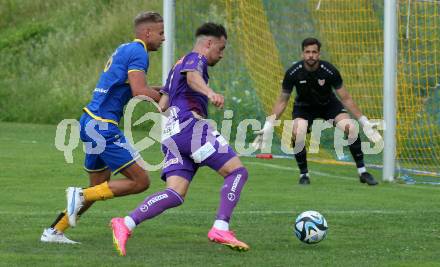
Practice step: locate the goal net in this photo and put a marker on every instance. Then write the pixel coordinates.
(265, 38)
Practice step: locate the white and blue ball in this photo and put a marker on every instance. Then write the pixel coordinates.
(310, 227)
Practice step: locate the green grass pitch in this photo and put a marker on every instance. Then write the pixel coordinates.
(387, 225)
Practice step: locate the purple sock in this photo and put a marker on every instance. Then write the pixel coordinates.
(230, 193)
(155, 204)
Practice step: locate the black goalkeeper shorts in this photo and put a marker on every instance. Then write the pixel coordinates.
(310, 113)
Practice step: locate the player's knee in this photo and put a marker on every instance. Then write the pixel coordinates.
(348, 128)
(299, 135)
(142, 182)
(350, 131)
(298, 138)
(293, 139)
(242, 171)
(97, 178)
(245, 172)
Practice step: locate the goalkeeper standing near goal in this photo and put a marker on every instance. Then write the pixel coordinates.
(123, 78)
(316, 82)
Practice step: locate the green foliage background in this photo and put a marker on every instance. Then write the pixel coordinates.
(53, 51)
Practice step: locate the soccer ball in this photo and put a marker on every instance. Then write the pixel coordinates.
(310, 227)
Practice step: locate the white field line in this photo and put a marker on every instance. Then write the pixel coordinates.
(292, 169)
(269, 165)
(248, 212)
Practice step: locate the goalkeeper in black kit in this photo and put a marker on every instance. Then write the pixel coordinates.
(316, 82)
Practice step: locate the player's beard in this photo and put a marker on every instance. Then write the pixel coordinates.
(311, 63)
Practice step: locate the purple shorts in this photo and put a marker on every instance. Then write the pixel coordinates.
(197, 144)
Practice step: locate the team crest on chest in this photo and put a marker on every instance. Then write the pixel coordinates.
(321, 82)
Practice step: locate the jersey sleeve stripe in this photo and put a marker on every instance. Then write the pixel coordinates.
(189, 70)
(135, 70)
(99, 118)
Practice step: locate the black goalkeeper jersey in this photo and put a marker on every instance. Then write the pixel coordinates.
(313, 88)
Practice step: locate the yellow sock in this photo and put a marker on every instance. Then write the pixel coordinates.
(98, 192)
(62, 224)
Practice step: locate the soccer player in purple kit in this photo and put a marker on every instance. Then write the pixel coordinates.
(187, 94)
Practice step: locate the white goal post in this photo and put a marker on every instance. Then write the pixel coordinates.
(169, 7)
(389, 89)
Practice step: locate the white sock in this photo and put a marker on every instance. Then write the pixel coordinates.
(129, 223)
(304, 174)
(221, 225)
(362, 170)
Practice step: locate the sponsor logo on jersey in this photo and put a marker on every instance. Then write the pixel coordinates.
(302, 82)
(101, 90)
(170, 162)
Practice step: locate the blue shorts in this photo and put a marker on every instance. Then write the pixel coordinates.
(197, 145)
(105, 146)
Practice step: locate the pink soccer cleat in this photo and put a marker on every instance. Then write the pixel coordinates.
(120, 234)
(227, 238)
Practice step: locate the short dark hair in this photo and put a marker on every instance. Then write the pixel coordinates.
(212, 29)
(311, 41)
(147, 16)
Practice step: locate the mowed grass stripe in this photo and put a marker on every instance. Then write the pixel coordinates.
(387, 225)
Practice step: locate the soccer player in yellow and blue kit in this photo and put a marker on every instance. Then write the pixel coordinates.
(107, 150)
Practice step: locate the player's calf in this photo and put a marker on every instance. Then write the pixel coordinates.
(137, 181)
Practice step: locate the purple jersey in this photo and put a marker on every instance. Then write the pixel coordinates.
(180, 94)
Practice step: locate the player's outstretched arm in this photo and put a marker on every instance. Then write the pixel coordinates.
(277, 110)
(139, 85)
(281, 104)
(348, 102)
(196, 82)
